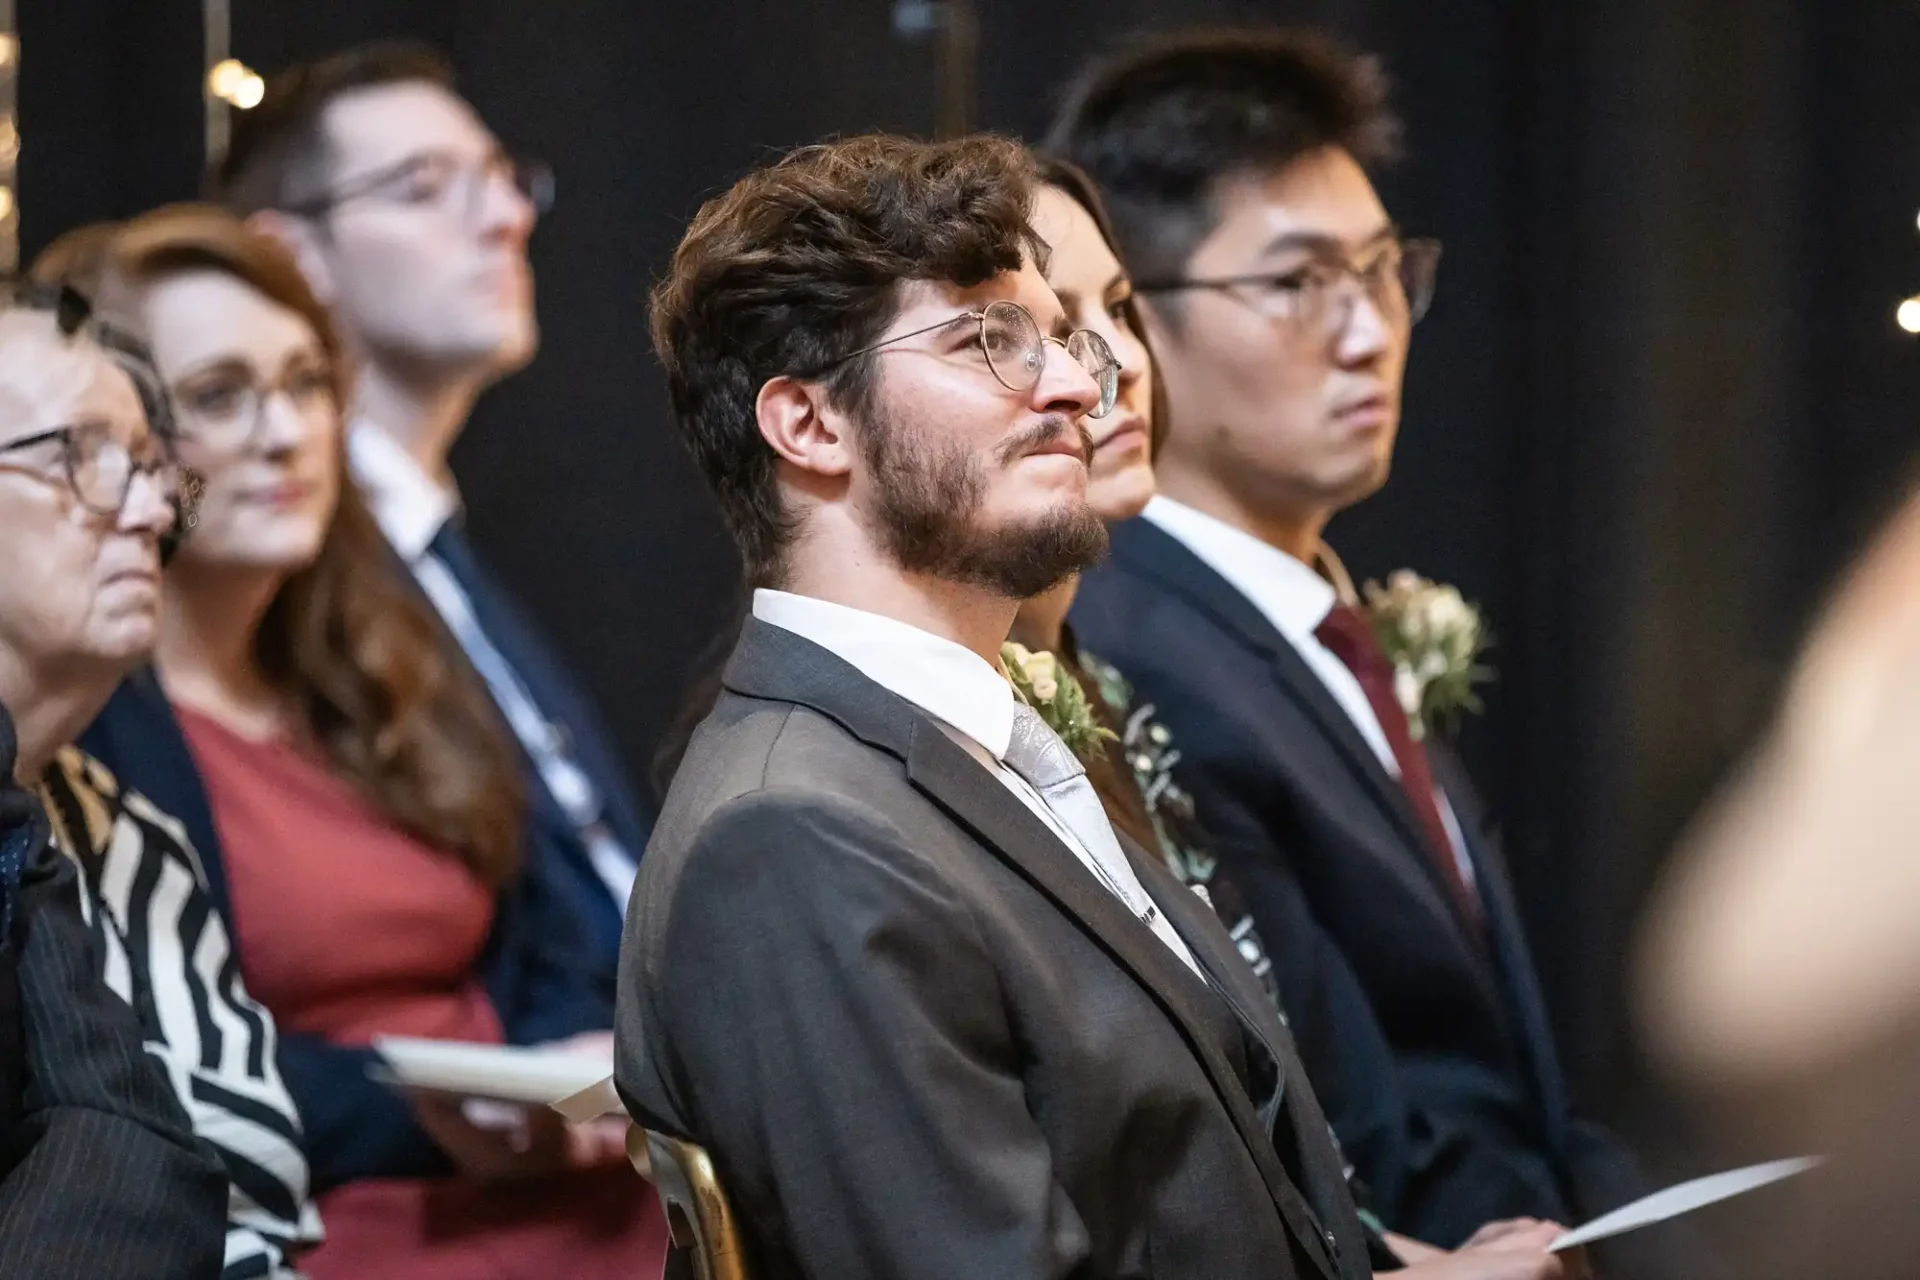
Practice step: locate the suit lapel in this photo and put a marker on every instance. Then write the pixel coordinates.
(1511, 953)
(1306, 689)
(1223, 966)
(955, 780)
(1149, 550)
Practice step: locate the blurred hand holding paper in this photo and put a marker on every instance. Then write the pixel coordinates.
(509, 1073)
(1683, 1199)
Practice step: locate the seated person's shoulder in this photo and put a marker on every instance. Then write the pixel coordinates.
(781, 851)
(87, 805)
(765, 831)
(83, 802)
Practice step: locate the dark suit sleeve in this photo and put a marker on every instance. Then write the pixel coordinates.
(112, 1181)
(355, 1126)
(546, 980)
(837, 1027)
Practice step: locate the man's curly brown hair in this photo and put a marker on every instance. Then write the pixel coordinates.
(799, 265)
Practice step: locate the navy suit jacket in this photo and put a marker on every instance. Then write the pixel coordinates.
(552, 839)
(1432, 1051)
(545, 979)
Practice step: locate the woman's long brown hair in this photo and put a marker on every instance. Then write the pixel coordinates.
(1073, 180)
(1110, 773)
(372, 676)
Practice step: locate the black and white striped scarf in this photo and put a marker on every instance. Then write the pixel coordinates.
(170, 955)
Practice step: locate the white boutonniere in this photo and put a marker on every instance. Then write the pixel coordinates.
(1434, 639)
(1039, 681)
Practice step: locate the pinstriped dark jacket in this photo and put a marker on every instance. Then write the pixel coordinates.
(100, 1174)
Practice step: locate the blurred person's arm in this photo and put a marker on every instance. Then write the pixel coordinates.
(1787, 940)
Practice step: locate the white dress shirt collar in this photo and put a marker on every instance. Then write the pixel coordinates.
(1289, 594)
(410, 506)
(948, 681)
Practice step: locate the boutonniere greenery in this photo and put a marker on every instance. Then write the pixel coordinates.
(1039, 681)
(1434, 640)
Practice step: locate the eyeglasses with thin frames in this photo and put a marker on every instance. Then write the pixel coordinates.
(1016, 351)
(222, 407)
(1319, 297)
(441, 180)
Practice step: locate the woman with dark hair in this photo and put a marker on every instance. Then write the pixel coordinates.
(1134, 775)
(347, 780)
(1132, 768)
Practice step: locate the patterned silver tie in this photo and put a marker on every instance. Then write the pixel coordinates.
(1037, 754)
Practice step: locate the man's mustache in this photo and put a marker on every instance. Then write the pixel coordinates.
(1050, 430)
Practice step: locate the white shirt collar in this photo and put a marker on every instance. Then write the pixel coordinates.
(409, 505)
(948, 681)
(1289, 594)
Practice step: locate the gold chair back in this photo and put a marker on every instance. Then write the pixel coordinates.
(698, 1215)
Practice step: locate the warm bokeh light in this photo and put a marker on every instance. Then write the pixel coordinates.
(1908, 315)
(224, 80)
(233, 81)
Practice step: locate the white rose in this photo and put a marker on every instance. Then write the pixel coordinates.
(1404, 582)
(1416, 627)
(1407, 687)
(1447, 612)
(1043, 673)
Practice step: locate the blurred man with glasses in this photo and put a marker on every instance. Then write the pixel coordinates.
(1281, 298)
(411, 221)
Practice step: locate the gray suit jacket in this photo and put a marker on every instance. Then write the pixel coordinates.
(921, 1041)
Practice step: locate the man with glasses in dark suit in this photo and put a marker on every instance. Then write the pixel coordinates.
(1281, 299)
(412, 222)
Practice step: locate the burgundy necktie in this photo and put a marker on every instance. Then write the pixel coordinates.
(1349, 638)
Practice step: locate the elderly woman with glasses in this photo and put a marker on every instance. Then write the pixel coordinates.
(91, 497)
(351, 790)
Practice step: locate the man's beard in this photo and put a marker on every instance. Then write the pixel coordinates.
(928, 507)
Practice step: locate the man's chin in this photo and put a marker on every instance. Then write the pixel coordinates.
(515, 351)
(1360, 483)
(1037, 558)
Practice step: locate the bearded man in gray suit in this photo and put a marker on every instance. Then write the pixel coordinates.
(886, 959)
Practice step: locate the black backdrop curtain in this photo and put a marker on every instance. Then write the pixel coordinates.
(1660, 399)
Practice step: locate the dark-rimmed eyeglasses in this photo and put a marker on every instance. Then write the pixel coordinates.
(441, 180)
(1318, 298)
(1016, 351)
(99, 469)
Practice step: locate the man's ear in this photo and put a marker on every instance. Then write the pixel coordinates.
(298, 237)
(798, 424)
